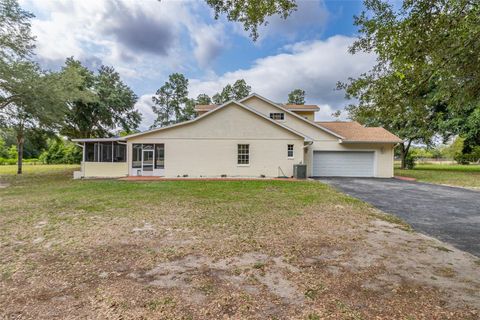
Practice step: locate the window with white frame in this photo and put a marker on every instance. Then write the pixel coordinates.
(290, 150)
(277, 116)
(243, 155)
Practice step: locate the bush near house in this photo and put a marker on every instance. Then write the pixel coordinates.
(61, 152)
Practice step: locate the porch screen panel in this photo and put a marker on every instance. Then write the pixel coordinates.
(119, 152)
(136, 156)
(89, 152)
(106, 152)
(159, 156)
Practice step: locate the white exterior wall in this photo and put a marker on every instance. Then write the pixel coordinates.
(326, 142)
(383, 165)
(208, 146)
(291, 121)
(104, 169)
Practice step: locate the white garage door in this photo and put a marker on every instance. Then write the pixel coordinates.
(343, 164)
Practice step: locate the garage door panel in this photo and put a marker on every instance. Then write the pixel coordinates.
(343, 164)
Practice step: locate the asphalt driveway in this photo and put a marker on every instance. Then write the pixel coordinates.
(446, 213)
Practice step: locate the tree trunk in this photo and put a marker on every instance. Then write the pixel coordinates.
(20, 142)
(402, 156)
(403, 153)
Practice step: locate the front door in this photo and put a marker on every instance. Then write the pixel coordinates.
(147, 162)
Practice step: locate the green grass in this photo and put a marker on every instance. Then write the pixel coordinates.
(59, 238)
(43, 169)
(455, 175)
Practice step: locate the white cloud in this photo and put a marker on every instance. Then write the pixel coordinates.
(209, 41)
(144, 105)
(313, 66)
(310, 17)
(142, 39)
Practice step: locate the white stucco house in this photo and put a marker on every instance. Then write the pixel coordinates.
(252, 137)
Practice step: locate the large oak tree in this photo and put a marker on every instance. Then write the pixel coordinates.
(427, 77)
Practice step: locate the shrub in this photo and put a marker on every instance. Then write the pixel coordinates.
(61, 152)
(410, 161)
(461, 158)
(12, 152)
(7, 161)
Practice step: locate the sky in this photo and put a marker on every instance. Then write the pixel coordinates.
(147, 40)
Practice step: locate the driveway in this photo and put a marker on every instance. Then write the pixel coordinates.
(447, 213)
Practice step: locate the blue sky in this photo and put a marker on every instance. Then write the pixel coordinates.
(146, 40)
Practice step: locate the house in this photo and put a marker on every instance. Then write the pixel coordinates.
(251, 137)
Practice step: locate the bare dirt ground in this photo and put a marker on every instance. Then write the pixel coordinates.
(212, 257)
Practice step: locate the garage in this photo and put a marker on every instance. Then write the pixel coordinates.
(343, 163)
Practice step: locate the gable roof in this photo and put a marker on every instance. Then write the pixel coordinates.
(214, 111)
(301, 107)
(293, 107)
(353, 131)
(292, 113)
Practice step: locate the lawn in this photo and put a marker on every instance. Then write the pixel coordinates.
(449, 174)
(112, 249)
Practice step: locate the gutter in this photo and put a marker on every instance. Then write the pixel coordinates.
(366, 141)
(309, 143)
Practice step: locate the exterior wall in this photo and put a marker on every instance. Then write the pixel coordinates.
(306, 128)
(208, 146)
(309, 115)
(104, 169)
(383, 155)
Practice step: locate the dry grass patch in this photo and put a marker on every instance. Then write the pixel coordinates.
(201, 250)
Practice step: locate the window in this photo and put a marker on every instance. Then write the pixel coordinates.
(277, 116)
(243, 154)
(290, 150)
(136, 156)
(159, 156)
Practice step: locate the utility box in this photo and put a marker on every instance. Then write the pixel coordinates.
(300, 171)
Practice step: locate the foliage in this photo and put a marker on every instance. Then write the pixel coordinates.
(12, 152)
(426, 77)
(239, 90)
(16, 40)
(34, 143)
(203, 99)
(3, 148)
(30, 98)
(172, 104)
(297, 96)
(103, 103)
(419, 153)
(16, 43)
(61, 152)
(252, 13)
(410, 161)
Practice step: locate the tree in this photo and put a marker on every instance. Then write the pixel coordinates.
(16, 44)
(104, 104)
(203, 99)
(425, 68)
(237, 91)
(16, 40)
(41, 102)
(297, 96)
(171, 102)
(252, 13)
(240, 89)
